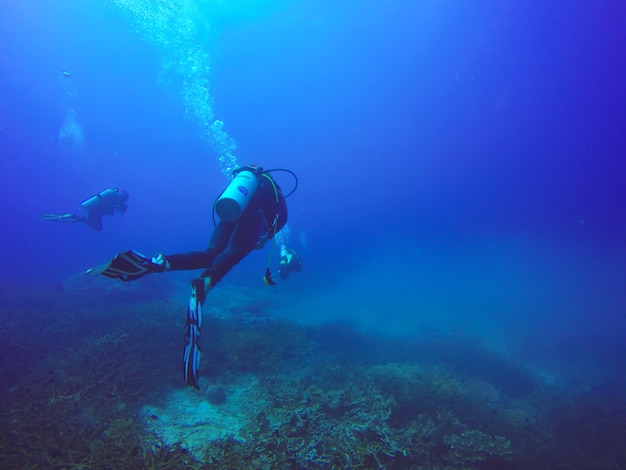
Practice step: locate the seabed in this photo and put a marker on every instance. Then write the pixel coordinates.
(95, 384)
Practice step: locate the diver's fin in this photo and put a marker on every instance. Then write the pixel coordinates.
(191, 355)
(96, 269)
(126, 266)
(61, 217)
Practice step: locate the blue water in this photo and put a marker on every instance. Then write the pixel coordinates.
(461, 165)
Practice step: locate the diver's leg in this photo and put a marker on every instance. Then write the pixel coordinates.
(202, 259)
(219, 244)
(199, 288)
(243, 240)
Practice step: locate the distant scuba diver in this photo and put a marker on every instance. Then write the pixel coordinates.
(252, 209)
(290, 262)
(103, 203)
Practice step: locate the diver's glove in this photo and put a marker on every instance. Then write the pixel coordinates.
(191, 355)
(161, 263)
(129, 266)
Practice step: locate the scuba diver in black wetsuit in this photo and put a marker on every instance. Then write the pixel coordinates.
(252, 209)
(103, 203)
(238, 232)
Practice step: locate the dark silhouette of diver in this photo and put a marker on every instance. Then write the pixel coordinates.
(252, 209)
(103, 203)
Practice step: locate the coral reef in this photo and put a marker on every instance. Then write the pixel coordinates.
(77, 377)
(342, 419)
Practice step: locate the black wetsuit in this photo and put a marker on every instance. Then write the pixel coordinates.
(233, 241)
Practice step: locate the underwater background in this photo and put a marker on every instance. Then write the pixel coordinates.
(460, 212)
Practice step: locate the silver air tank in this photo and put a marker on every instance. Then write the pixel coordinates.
(99, 201)
(237, 196)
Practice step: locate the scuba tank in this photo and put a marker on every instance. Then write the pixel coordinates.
(238, 194)
(232, 202)
(102, 202)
